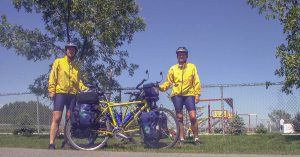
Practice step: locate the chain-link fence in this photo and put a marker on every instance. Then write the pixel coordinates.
(258, 104)
(24, 112)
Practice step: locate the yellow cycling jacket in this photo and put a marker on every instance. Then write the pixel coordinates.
(185, 80)
(64, 77)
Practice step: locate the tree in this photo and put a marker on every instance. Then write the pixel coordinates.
(98, 27)
(276, 115)
(296, 122)
(288, 13)
(25, 113)
(237, 126)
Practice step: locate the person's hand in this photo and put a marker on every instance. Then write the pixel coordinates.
(157, 86)
(51, 96)
(197, 99)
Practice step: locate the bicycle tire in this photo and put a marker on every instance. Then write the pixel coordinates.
(168, 138)
(90, 141)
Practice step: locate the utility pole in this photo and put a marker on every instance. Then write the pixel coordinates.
(222, 106)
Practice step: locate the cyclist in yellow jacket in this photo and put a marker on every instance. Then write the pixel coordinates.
(186, 88)
(64, 84)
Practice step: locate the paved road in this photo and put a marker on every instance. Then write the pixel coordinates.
(22, 152)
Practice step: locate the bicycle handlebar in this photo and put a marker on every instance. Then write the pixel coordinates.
(143, 81)
(138, 86)
(101, 92)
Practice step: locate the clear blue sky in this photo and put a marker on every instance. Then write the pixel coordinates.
(227, 40)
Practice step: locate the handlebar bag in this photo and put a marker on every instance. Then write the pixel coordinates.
(151, 91)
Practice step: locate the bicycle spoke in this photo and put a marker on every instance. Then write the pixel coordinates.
(169, 135)
(85, 138)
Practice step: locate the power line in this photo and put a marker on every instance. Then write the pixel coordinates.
(267, 84)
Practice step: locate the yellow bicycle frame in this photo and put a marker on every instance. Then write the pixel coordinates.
(109, 107)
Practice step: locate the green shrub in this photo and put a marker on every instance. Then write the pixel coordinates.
(24, 131)
(261, 129)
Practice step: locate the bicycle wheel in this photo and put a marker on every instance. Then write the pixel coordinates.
(168, 130)
(87, 138)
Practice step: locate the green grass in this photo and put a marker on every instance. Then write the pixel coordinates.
(247, 144)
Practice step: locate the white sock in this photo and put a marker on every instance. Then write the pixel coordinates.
(196, 139)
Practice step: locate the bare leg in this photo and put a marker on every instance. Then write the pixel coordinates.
(194, 124)
(56, 117)
(179, 116)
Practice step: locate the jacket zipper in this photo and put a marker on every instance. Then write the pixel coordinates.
(182, 79)
(69, 78)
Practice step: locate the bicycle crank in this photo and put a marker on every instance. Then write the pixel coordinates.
(118, 133)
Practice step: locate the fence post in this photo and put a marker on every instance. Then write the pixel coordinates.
(37, 115)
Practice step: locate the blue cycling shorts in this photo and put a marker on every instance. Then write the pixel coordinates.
(188, 101)
(62, 99)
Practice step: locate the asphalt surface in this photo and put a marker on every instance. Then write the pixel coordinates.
(23, 152)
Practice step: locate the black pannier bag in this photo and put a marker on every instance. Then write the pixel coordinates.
(84, 116)
(148, 122)
(87, 98)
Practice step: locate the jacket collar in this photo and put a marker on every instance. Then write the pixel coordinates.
(66, 58)
(182, 66)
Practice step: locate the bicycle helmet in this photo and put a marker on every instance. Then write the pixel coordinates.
(71, 45)
(182, 49)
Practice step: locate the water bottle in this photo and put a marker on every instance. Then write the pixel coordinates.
(108, 116)
(127, 118)
(118, 117)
